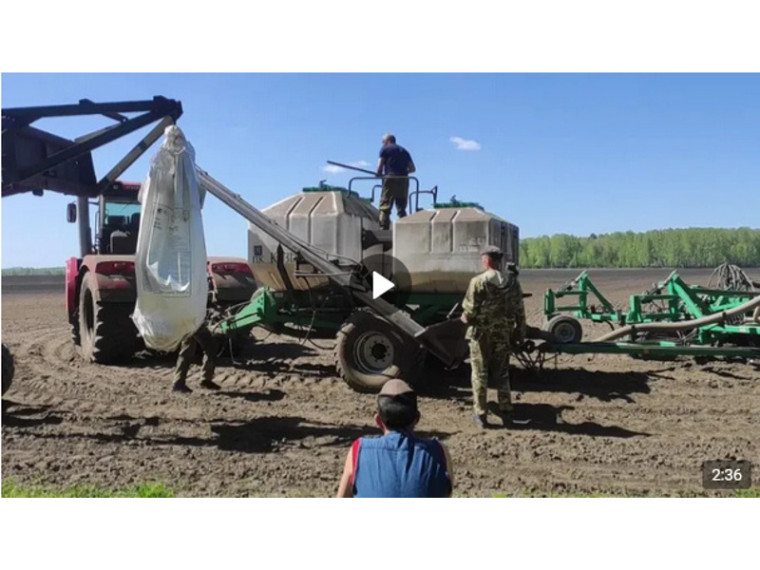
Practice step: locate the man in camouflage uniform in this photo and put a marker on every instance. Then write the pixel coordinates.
(495, 312)
(203, 338)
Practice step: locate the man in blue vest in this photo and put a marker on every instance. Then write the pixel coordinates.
(395, 165)
(396, 464)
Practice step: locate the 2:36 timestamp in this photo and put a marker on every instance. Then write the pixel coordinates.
(726, 474)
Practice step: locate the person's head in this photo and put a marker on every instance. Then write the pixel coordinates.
(491, 257)
(388, 138)
(396, 407)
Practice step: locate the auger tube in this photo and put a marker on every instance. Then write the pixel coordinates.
(681, 325)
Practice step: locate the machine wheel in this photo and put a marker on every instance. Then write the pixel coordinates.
(107, 332)
(565, 329)
(74, 330)
(9, 368)
(369, 352)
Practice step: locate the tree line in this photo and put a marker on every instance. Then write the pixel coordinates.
(691, 247)
(34, 271)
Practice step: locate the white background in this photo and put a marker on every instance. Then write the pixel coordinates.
(349, 36)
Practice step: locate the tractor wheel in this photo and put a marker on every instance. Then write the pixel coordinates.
(106, 330)
(369, 352)
(74, 330)
(565, 329)
(9, 368)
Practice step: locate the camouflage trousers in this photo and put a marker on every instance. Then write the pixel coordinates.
(205, 340)
(489, 359)
(395, 191)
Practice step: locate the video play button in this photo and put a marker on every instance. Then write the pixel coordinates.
(380, 285)
(387, 277)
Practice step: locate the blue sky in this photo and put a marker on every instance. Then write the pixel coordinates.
(552, 153)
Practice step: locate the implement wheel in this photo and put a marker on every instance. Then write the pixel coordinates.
(9, 368)
(107, 333)
(564, 329)
(369, 352)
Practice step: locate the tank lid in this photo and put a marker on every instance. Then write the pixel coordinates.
(457, 204)
(327, 188)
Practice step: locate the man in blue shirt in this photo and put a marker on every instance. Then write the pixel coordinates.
(396, 464)
(395, 165)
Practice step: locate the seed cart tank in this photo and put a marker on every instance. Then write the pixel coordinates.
(376, 339)
(328, 218)
(438, 246)
(441, 246)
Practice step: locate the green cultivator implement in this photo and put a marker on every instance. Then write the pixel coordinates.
(672, 319)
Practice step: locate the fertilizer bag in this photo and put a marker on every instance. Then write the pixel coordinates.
(170, 262)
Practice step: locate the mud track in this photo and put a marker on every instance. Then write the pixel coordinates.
(283, 422)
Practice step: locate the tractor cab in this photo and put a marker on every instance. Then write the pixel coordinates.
(117, 219)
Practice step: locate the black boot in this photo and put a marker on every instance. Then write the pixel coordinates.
(181, 387)
(507, 417)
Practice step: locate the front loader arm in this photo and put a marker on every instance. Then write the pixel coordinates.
(35, 160)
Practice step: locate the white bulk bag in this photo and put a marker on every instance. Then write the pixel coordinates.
(170, 262)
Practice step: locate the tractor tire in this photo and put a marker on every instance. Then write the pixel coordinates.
(9, 368)
(107, 333)
(369, 352)
(564, 329)
(74, 330)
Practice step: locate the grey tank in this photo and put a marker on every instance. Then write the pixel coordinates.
(440, 247)
(331, 221)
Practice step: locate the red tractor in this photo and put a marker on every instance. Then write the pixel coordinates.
(100, 283)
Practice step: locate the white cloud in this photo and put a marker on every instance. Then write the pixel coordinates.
(464, 144)
(334, 169)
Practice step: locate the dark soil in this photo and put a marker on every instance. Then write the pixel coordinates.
(283, 421)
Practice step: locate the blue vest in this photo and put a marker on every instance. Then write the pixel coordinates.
(399, 465)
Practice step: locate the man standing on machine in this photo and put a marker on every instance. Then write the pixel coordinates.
(395, 165)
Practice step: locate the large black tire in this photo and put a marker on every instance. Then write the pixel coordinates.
(369, 352)
(565, 329)
(9, 368)
(107, 332)
(74, 330)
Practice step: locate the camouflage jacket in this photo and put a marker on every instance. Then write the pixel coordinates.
(494, 305)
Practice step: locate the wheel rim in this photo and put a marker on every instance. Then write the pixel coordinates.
(374, 352)
(565, 332)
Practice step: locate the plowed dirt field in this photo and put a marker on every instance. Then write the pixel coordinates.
(283, 422)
